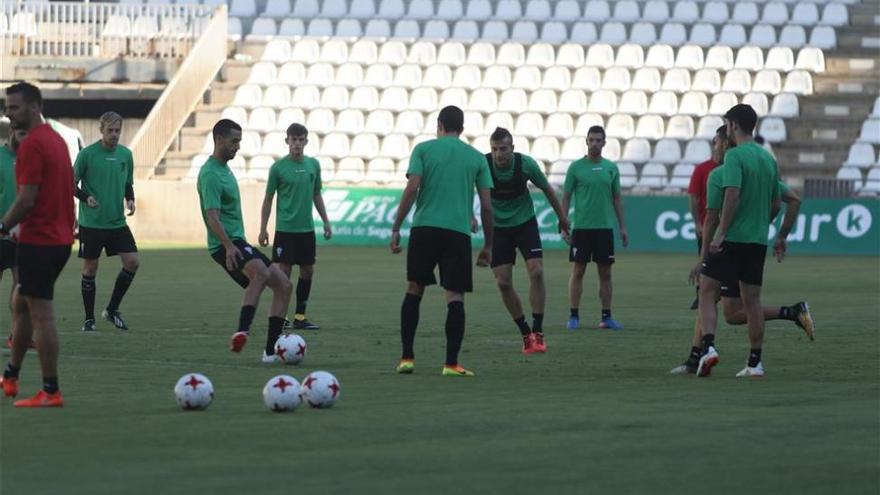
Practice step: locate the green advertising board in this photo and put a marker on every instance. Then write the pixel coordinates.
(363, 216)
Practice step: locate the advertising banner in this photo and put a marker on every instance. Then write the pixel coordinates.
(364, 216)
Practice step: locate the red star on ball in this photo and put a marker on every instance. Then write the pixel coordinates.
(280, 351)
(309, 381)
(282, 384)
(334, 387)
(301, 350)
(194, 382)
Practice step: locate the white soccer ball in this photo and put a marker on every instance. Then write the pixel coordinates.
(281, 393)
(320, 390)
(194, 392)
(291, 348)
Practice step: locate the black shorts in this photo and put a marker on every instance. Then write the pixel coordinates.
(248, 253)
(737, 262)
(524, 237)
(113, 241)
(7, 254)
(432, 246)
(294, 248)
(730, 289)
(592, 245)
(39, 267)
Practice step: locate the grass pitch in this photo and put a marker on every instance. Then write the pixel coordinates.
(597, 414)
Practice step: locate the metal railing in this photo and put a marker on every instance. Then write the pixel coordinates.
(820, 187)
(181, 96)
(99, 30)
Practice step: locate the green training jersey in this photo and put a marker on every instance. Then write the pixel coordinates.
(593, 186)
(8, 186)
(104, 174)
(449, 168)
(517, 211)
(715, 189)
(218, 190)
(752, 169)
(296, 184)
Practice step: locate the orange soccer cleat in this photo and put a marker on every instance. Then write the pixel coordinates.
(10, 386)
(539, 345)
(42, 399)
(239, 339)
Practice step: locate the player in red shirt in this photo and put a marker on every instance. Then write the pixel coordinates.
(43, 210)
(697, 190)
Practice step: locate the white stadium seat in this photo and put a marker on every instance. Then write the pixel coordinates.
(492, 31)
(720, 58)
(262, 119)
(633, 103)
(306, 97)
(557, 78)
(694, 104)
(538, 10)
(292, 27)
(861, 155)
(775, 13)
(749, 58)
(559, 125)
(509, 10)
(722, 102)
(703, 35)
(570, 55)
(870, 131)
(823, 37)
(263, 74)
(597, 11)
(248, 96)
(452, 53)
(617, 79)
(511, 55)
(851, 174)
(277, 8)
(793, 36)
(745, 13)
(773, 130)
(630, 56)
(380, 121)
(811, 59)
(600, 55)
(677, 81)
(626, 11)
(440, 76)
(350, 75)
(583, 33)
(636, 150)
(319, 28)
(650, 127)
(685, 12)
(737, 81)
(449, 9)
(321, 120)
(620, 126)
(603, 102)
(673, 34)
(733, 35)
(664, 103)
(627, 173)
(643, 34)
(587, 120)
(350, 170)
(395, 146)
(379, 75)
(698, 150)
(365, 98)
(707, 81)
(511, 100)
(486, 100)
(653, 176)
(799, 82)
(350, 121)
(872, 182)
(567, 10)
(288, 116)
(320, 74)
(613, 33)
(527, 77)
(660, 56)
(835, 14)
(541, 55)
(647, 79)
(481, 54)
(680, 127)
(656, 11)
(667, 151)
(780, 58)
(805, 14)
(545, 149)
(380, 170)
(478, 10)
(785, 105)
(364, 146)
(453, 96)
(587, 79)
(573, 101)
(690, 57)
(707, 126)
(681, 176)
(715, 12)
(767, 81)
(757, 101)
(497, 77)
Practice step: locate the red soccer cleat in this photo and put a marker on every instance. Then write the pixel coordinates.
(42, 399)
(529, 344)
(539, 345)
(10, 386)
(239, 339)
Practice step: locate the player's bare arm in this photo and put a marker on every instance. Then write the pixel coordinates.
(322, 212)
(406, 202)
(618, 211)
(265, 211)
(710, 226)
(792, 208)
(561, 213)
(485, 256)
(233, 255)
(566, 206)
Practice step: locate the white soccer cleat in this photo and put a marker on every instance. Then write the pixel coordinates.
(682, 369)
(707, 362)
(271, 358)
(752, 372)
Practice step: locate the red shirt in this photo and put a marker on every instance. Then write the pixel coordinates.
(697, 187)
(43, 160)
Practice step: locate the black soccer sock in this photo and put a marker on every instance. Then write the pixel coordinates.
(11, 371)
(50, 384)
(575, 313)
(538, 322)
(123, 282)
(454, 331)
(786, 313)
(246, 317)
(708, 341)
(276, 323)
(88, 292)
(754, 357)
(522, 325)
(694, 359)
(606, 314)
(409, 321)
(303, 288)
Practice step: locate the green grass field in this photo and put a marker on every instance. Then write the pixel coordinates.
(597, 414)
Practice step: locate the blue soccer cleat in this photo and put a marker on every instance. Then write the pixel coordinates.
(573, 323)
(611, 324)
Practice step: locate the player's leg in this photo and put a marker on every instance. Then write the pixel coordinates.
(751, 299)
(456, 276)
(42, 317)
(121, 241)
(689, 366)
(281, 288)
(798, 313)
(22, 333)
(303, 290)
(88, 290)
(696, 304)
(579, 255)
(422, 256)
(503, 259)
(537, 299)
(606, 290)
(710, 291)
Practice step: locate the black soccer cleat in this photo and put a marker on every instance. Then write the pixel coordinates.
(804, 319)
(305, 324)
(89, 326)
(114, 317)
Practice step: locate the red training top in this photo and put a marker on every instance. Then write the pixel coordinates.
(43, 160)
(697, 187)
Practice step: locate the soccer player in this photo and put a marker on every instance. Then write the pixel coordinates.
(737, 250)
(106, 170)
(7, 197)
(220, 203)
(441, 178)
(594, 182)
(517, 228)
(734, 311)
(297, 179)
(43, 209)
(697, 193)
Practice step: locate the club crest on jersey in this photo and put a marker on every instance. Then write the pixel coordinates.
(279, 250)
(249, 250)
